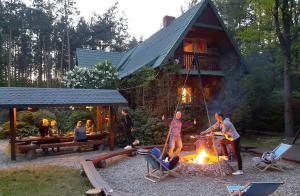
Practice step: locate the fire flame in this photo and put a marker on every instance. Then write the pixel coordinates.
(201, 157)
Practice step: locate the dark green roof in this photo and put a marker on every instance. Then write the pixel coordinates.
(87, 57)
(22, 97)
(160, 46)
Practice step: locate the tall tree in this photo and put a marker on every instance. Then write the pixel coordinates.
(286, 19)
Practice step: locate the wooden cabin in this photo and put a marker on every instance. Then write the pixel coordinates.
(198, 34)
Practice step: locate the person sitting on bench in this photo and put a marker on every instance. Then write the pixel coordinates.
(165, 159)
(53, 130)
(44, 128)
(89, 127)
(80, 133)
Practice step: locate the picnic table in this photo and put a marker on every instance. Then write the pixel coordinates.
(29, 145)
(61, 138)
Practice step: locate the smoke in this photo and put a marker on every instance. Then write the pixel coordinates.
(230, 97)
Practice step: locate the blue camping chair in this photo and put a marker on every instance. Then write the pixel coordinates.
(278, 152)
(156, 171)
(254, 188)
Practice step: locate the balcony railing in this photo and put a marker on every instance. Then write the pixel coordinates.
(207, 61)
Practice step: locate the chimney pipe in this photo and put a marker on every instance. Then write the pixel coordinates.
(167, 20)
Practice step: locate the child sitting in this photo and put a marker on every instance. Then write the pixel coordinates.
(165, 158)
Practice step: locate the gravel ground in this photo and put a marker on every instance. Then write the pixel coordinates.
(127, 175)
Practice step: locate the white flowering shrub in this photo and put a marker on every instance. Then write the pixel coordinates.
(102, 75)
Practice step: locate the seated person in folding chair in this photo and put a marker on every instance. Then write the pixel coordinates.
(168, 164)
(231, 137)
(175, 135)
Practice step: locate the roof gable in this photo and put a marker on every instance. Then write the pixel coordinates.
(88, 58)
(155, 49)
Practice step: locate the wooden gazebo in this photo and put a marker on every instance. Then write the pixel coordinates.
(14, 98)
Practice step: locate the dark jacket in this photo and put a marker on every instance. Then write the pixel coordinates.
(127, 123)
(44, 131)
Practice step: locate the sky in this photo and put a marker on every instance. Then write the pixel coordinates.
(144, 16)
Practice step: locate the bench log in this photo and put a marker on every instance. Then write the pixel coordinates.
(100, 161)
(29, 150)
(95, 179)
(96, 143)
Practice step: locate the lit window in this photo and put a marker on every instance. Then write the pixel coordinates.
(188, 46)
(195, 45)
(185, 94)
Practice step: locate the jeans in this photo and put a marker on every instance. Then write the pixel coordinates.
(173, 162)
(129, 137)
(175, 141)
(235, 147)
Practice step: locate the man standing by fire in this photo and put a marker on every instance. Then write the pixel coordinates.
(175, 135)
(231, 137)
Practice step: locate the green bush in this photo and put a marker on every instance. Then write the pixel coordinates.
(64, 124)
(82, 115)
(5, 132)
(39, 115)
(27, 130)
(4, 115)
(148, 129)
(26, 116)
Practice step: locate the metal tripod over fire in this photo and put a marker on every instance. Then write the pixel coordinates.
(197, 64)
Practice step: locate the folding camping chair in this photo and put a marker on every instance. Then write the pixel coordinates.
(156, 171)
(254, 188)
(278, 152)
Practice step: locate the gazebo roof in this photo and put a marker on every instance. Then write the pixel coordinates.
(21, 97)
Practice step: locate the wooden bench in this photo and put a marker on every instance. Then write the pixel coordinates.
(100, 161)
(29, 150)
(94, 177)
(97, 144)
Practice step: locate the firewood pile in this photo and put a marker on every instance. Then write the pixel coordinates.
(210, 169)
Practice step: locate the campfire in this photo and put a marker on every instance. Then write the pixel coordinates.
(204, 162)
(202, 157)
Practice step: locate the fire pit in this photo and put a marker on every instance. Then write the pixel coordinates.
(204, 163)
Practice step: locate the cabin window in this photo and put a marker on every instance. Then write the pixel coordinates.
(195, 45)
(185, 94)
(188, 46)
(201, 46)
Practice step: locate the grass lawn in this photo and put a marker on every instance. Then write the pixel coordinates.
(50, 180)
(262, 141)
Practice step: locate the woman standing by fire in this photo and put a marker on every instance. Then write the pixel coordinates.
(175, 136)
(231, 137)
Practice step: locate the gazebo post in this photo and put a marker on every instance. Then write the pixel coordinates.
(99, 118)
(111, 131)
(13, 126)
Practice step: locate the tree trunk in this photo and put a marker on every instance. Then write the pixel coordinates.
(68, 48)
(9, 60)
(61, 59)
(288, 112)
(283, 24)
